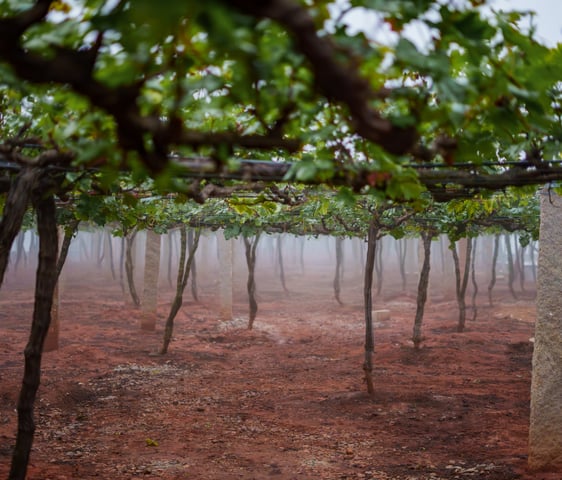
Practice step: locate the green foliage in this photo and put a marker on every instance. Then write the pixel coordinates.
(478, 80)
(508, 211)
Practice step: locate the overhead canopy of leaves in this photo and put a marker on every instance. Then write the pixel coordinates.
(130, 85)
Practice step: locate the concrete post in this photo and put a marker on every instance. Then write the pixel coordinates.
(149, 302)
(545, 434)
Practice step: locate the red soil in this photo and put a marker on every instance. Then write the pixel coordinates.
(284, 401)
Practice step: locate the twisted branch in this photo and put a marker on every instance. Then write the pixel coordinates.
(75, 69)
(339, 82)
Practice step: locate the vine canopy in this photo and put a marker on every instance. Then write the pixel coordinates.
(471, 102)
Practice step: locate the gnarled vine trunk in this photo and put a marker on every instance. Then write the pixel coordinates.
(510, 266)
(494, 263)
(379, 267)
(100, 249)
(122, 265)
(170, 253)
(52, 338)
(281, 266)
(69, 233)
(250, 247)
(109, 238)
(372, 238)
(194, 293)
(521, 264)
(184, 267)
(339, 268)
(17, 201)
(422, 288)
(129, 266)
(473, 280)
(44, 289)
(402, 250)
(461, 282)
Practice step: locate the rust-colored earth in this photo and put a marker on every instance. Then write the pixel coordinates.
(284, 401)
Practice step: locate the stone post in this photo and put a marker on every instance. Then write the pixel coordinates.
(545, 434)
(149, 302)
(225, 276)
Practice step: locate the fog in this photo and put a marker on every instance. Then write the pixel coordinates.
(95, 255)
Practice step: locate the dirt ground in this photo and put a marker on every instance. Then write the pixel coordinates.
(284, 401)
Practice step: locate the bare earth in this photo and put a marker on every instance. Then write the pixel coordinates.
(284, 401)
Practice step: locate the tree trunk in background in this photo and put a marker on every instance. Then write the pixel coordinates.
(338, 273)
(178, 299)
(368, 296)
(447, 277)
(402, 250)
(461, 281)
(84, 255)
(100, 248)
(280, 262)
(522, 267)
(34, 246)
(32, 235)
(421, 260)
(250, 247)
(20, 251)
(122, 265)
(510, 267)
(473, 278)
(194, 292)
(16, 204)
(52, 338)
(129, 266)
(422, 287)
(533, 264)
(225, 278)
(379, 267)
(545, 433)
(301, 253)
(362, 257)
(109, 239)
(44, 289)
(150, 286)
(343, 263)
(494, 263)
(69, 234)
(516, 257)
(184, 267)
(170, 252)
(193, 267)
(442, 255)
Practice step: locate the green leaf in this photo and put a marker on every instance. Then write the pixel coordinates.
(151, 443)
(346, 196)
(305, 170)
